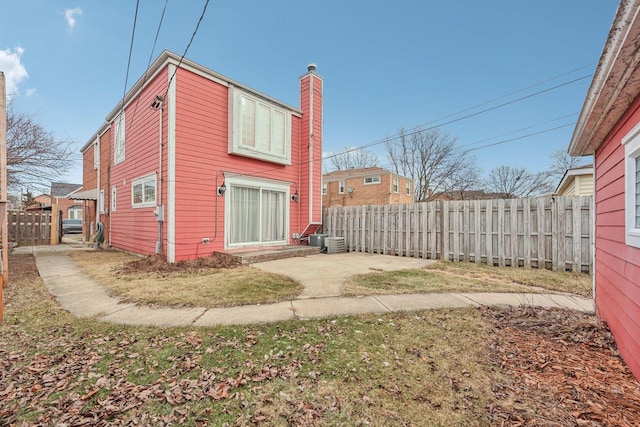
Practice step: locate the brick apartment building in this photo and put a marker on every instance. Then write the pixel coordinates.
(367, 186)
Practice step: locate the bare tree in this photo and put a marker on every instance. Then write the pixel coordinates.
(561, 160)
(465, 179)
(430, 157)
(34, 156)
(351, 158)
(514, 182)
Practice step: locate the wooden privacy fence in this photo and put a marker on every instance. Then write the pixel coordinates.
(555, 233)
(29, 228)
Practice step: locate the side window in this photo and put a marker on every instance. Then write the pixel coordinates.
(143, 192)
(119, 142)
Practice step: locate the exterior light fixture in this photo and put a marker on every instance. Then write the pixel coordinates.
(157, 102)
(350, 191)
(222, 189)
(295, 196)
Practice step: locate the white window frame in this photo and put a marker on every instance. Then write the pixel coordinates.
(101, 202)
(341, 186)
(114, 193)
(119, 138)
(407, 188)
(372, 180)
(143, 182)
(262, 184)
(235, 141)
(631, 144)
(324, 188)
(74, 213)
(396, 185)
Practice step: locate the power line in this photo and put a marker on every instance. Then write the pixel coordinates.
(519, 130)
(519, 138)
(421, 129)
(195, 31)
(146, 73)
(133, 33)
(511, 93)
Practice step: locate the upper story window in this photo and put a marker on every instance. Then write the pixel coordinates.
(119, 139)
(407, 188)
(143, 191)
(395, 184)
(341, 187)
(631, 144)
(371, 180)
(324, 188)
(261, 129)
(96, 154)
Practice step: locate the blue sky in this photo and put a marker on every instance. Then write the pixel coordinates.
(386, 65)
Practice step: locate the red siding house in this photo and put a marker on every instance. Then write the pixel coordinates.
(609, 128)
(200, 163)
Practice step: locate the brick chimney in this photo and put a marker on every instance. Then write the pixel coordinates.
(311, 136)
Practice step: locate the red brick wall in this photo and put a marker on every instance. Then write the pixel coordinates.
(367, 194)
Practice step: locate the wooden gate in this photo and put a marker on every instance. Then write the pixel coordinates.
(29, 228)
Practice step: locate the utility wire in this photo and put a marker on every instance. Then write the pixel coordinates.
(518, 138)
(133, 33)
(421, 129)
(146, 73)
(195, 31)
(518, 130)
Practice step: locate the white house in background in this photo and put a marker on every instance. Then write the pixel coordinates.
(576, 181)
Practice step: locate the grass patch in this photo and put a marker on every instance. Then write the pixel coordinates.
(187, 287)
(561, 281)
(467, 277)
(428, 368)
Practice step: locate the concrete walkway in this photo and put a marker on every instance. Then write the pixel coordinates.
(322, 277)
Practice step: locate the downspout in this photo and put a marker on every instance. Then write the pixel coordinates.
(159, 208)
(98, 181)
(300, 173)
(110, 200)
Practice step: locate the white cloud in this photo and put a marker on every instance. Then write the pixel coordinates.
(70, 16)
(14, 71)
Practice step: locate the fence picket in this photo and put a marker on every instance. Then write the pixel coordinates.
(555, 233)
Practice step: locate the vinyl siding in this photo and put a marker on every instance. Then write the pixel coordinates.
(136, 230)
(617, 265)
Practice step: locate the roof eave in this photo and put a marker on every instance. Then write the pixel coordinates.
(615, 85)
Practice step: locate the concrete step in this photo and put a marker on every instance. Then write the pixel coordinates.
(252, 256)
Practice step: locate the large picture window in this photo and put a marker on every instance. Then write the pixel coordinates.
(257, 212)
(631, 144)
(261, 129)
(143, 192)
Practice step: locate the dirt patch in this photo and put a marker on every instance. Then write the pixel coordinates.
(157, 265)
(566, 371)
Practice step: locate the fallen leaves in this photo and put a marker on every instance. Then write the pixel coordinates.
(566, 371)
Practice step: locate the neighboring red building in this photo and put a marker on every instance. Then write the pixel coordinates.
(199, 163)
(60, 197)
(95, 192)
(365, 186)
(609, 128)
(40, 202)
